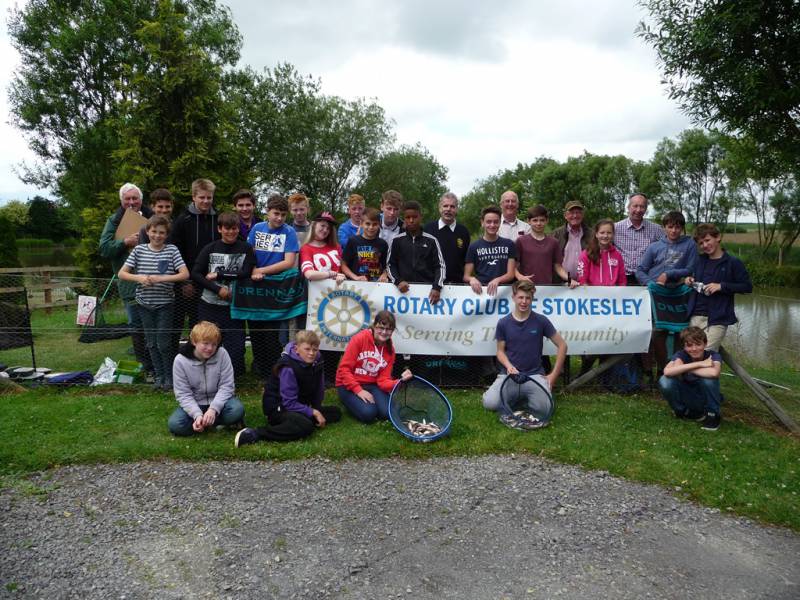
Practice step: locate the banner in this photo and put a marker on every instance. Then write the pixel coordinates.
(670, 306)
(593, 320)
(274, 298)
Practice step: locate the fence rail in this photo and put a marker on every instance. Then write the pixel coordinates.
(40, 285)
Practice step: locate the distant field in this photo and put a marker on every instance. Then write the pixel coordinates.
(751, 237)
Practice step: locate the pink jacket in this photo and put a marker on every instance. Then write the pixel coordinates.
(609, 271)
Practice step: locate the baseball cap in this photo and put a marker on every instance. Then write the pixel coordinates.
(574, 204)
(325, 216)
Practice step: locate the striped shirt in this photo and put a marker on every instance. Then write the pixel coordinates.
(144, 261)
(632, 242)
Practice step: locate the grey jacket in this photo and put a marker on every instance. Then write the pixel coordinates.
(200, 383)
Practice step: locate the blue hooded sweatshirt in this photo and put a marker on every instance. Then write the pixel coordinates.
(676, 259)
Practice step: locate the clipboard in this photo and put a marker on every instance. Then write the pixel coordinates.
(131, 222)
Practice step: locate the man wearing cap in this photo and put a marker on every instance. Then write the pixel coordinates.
(634, 234)
(573, 237)
(510, 226)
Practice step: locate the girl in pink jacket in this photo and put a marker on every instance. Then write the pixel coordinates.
(601, 263)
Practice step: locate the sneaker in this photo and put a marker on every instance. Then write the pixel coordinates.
(697, 416)
(245, 436)
(511, 421)
(711, 422)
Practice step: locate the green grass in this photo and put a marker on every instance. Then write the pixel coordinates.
(748, 467)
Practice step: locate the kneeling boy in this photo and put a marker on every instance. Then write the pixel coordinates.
(293, 395)
(520, 338)
(691, 380)
(203, 378)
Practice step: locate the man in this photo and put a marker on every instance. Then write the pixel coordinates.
(453, 238)
(244, 204)
(633, 235)
(573, 237)
(415, 256)
(191, 232)
(510, 226)
(130, 196)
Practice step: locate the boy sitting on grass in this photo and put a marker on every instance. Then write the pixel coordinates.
(203, 377)
(293, 395)
(520, 340)
(691, 380)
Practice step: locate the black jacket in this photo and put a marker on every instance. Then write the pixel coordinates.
(192, 231)
(454, 245)
(416, 260)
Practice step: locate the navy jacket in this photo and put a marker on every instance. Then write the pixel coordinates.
(734, 279)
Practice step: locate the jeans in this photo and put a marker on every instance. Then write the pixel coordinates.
(364, 411)
(180, 423)
(137, 335)
(287, 425)
(697, 395)
(233, 331)
(266, 345)
(157, 324)
(537, 400)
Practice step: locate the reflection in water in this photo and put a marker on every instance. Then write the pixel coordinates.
(768, 331)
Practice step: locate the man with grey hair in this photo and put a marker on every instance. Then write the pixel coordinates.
(634, 234)
(453, 238)
(130, 196)
(510, 226)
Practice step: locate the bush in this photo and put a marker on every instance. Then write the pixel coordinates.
(766, 274)
(8, 244)
(31, 243)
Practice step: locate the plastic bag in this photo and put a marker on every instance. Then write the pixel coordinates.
(105, 374)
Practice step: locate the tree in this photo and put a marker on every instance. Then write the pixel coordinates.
(16, 213)
(691, 178)
(786, 204)
(77, 58)
(412, 171)
(733, 64)
(8, 243)
(301, 140)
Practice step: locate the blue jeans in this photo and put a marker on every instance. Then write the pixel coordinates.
(137, 334)
(697, 395)
(364, 411)
(157, 324)
(180, 423)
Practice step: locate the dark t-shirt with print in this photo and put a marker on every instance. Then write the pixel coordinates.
(490, 259)
(366, 257)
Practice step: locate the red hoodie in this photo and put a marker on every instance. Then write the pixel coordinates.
(364, 362)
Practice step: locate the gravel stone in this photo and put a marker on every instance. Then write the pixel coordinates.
(486, 527)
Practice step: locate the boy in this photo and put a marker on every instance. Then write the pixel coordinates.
(355, 209)
(722, 276)
(192, 231)
(520, 339)
(490, 259)
(293, 395)
(161, 201)
(391, 223)
(671, 258)
(539, 255)
(220, 264)
(275, 245)
(364, 257)
(155, 266)
(298, 205)
(415, 256)
(244, 203)
(691, 380)
(204, 387)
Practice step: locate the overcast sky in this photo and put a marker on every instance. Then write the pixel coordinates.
(482, 85)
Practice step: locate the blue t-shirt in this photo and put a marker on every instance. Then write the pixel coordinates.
(346, 231)
(490, 259)
(271, 245)
(686, 359)
(524, 341)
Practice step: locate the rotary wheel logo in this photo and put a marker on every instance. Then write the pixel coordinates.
(341, 313)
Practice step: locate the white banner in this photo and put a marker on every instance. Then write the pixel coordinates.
(593, 320)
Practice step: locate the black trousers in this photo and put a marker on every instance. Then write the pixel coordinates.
(287, 425)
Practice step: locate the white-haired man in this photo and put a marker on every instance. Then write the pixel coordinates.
(130, 196)
(510, 226)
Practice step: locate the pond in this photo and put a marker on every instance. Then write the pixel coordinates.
(55, 256)
(768, 331)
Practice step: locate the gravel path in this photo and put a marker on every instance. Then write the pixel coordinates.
(488, 527)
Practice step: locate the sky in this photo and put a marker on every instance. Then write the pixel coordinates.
(483, 86)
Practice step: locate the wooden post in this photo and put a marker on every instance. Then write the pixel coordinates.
(48, 293)
(760, 392)
(599, 369)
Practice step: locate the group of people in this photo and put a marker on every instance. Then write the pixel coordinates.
(204, 252)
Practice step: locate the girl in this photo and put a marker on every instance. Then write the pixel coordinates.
(321, 257)
(364, 377)
(601, 263)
